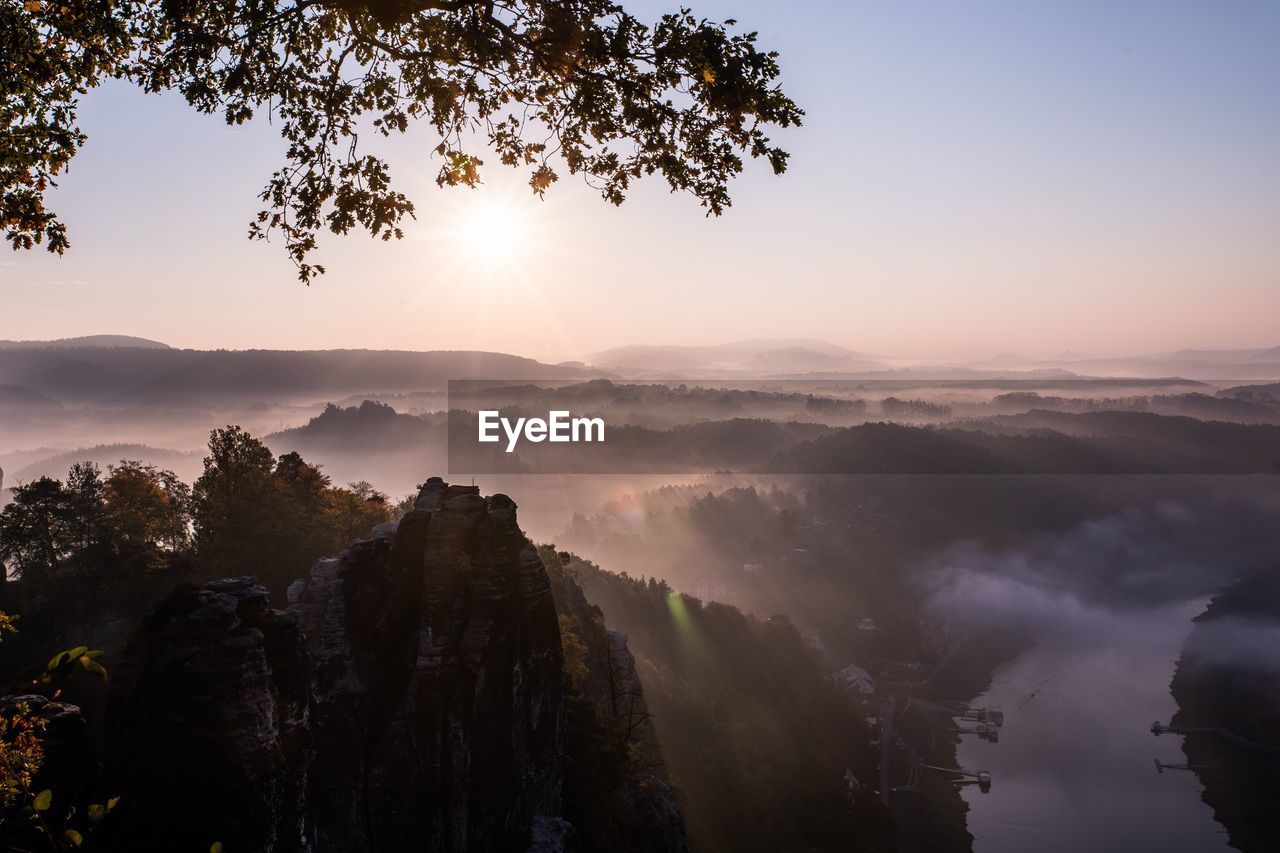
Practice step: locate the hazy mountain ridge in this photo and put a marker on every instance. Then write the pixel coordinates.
(184, 463)
(814, 359)
(770, 355)
(88, 341)
(1268, 393)
(22, 396)
(1042, 443)
(368, 423)
(140, 375)
(371, 441)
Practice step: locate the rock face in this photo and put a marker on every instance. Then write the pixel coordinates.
(438, 682)
(633, 809)
(414, 695)
(410, 698)
(208, 725)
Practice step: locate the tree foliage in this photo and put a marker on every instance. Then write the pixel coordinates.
(233, 501)
(145, 504)
(755, 735)
(273, 518)
(249, 513)
(37, 529)
(547, 85)
(88, 521)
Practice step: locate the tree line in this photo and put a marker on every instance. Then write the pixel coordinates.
(249, 513)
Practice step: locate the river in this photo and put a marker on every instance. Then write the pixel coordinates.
(1074, 770)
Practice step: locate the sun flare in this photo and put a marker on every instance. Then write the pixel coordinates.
(493, 233)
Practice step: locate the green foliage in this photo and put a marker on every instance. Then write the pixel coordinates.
(576, 668)
(21, 754)
(33, 817)
(53, 52)
(549, 85)
(352, 513)
(248, 514)
(255, 515)
(756, 737)
(64, 664)
(605, 756)
(234, 502)
(86, 500)
(37, 529)
(405, 505)
(104, 523)
(147, 505)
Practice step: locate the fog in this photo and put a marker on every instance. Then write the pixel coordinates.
(1239, 643)
(1103, 611)
(1040, 543)
(1075, 581)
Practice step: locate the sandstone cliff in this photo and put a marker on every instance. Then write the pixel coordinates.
(616, 789)
(412, 696)
(208, 730)
(438, 682)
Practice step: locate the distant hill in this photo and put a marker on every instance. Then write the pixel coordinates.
(88, 341)
(371, 441)
(755, 357)
(1268, 393)
(370, 427)
(186, 465)
(1272, 355)
(1261, 363)
(130, 375)
(1042, 442)
(18, 395)
(1223, 407)
(1211, 355)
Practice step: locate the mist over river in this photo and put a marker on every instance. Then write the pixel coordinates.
(1074, 770)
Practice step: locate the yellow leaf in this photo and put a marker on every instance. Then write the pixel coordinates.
(74, 837)
(44, 799)
(708, 76)
(215, 847)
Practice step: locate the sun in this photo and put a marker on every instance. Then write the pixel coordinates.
(497, 236)
(493, 233)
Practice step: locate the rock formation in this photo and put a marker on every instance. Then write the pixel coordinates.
(1228, 699)
(438, 682)
(412, 696)
(209, 738)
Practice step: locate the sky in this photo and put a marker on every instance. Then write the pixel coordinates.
(971, 178)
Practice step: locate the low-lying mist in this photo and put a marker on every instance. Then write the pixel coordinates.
(1128, 560)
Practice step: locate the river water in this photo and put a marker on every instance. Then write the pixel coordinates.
(1074, 770)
